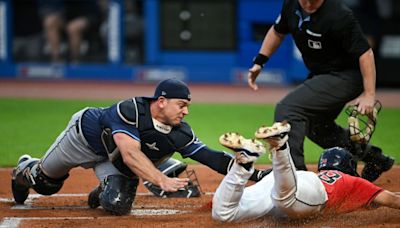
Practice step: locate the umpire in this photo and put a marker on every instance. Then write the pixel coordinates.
(342, 68)
(121, 143)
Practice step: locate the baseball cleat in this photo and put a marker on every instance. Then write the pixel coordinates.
(373, 171)
(377, 165)
(23, 158)
(247, 150)
(20, 192)
(276, 135)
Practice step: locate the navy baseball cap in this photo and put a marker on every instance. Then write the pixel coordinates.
(172, 88)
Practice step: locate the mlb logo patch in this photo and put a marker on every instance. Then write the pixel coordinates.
(314, 44)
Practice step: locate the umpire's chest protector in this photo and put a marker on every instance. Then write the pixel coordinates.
(156, 145)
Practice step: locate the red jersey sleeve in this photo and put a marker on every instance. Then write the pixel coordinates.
(347, 193)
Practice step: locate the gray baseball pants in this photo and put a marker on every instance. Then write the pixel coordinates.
(71, 150)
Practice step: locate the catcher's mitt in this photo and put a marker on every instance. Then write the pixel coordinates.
(174, 168)
(362, 126)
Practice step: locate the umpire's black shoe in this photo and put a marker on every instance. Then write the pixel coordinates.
(94, 197)
(373, 169)
(19, 191)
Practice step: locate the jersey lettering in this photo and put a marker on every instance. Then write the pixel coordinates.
(329, 177)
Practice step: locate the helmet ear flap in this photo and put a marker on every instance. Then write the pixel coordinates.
(175, 168)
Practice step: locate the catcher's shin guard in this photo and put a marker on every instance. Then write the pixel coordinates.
(118, 194)
(43, 184)
(94, 197)
(29, 174)
(19, 183)
(375, 163)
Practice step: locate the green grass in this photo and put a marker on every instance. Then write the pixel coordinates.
(31, 125)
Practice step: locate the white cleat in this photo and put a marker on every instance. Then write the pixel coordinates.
(23, 158)
(247, 150)
(276, 135)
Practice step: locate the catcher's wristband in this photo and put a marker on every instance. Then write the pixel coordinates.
(260, 59)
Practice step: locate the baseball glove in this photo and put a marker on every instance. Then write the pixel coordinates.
(362, 126)
(174, 168)
(191, 190)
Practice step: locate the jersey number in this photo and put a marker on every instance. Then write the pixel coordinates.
(329, 177)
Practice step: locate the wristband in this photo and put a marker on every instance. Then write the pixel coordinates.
(260, 59)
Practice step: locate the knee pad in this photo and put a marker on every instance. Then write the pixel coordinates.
(43, 184)
(118, 194)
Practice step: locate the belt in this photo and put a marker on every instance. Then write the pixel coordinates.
(82, 135)
(77, 126)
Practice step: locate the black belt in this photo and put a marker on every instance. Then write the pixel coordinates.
(78, 131)
(77, 126)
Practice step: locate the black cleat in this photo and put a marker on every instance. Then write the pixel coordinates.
(19, 191)
(373, 169)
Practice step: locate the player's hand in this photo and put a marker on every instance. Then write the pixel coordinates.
(252, 76)
(365, 104)
(173, 184)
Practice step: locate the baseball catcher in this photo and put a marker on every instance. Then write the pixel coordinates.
(123, 143)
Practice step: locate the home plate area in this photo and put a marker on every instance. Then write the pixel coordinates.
(61, 209)
(74, 201)
(69, 207)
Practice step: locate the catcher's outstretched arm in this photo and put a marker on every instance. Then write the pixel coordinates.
(222, 162)
(388, 199)
(141, 165)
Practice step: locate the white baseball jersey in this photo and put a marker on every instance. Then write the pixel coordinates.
(283, 192)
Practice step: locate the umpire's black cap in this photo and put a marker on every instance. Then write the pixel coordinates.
(172, 88)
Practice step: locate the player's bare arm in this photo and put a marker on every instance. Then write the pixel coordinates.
(137, 161)
(271, 42)
(388, 199)
(367, 66)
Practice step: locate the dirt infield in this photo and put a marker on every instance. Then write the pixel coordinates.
(68, 208)
(201, 93)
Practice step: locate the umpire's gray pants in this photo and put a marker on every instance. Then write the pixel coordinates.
(70, 150)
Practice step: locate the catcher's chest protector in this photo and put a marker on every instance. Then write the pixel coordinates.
(156, 145)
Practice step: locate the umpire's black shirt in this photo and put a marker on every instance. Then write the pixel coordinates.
(329, 39)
